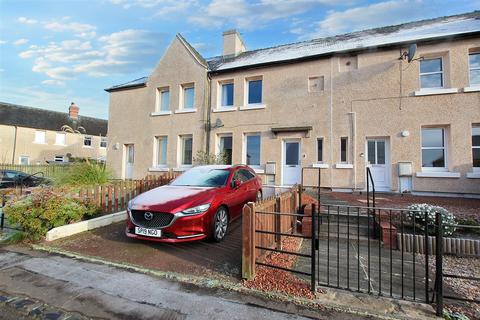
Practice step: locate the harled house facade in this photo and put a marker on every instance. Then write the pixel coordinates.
(38, 136)
(402, 100)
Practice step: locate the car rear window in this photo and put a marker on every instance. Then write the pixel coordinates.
(202, 178)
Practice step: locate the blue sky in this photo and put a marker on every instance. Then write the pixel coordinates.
(56, 52)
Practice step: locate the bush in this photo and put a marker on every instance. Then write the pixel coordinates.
(204, 158)
(418, 211)
(46, 209)
(85, 173)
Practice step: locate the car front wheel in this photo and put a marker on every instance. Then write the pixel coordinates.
(220, 224)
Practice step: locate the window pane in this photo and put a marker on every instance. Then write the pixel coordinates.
(474, 60)
(291, 155)
(371, 152)
(380, 152)
(227, 94)
(343, 150)
(431, 81)
(165, 103)
(60, 138)
(433, 158)
(187, 151)
(253, 150)
(226, 148)
(188, 98)
(430, 65)
(130, 154)
(476, 136)
(162, 151)
(476, 157)
(475, 77)
(432, 137)
(255, 91)
(87, 141)
(320, 150)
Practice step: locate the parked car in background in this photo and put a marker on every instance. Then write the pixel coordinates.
(13, 178)
(198, 204)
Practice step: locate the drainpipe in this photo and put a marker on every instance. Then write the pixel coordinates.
(331, 123)
(208, 124)
(14, 145)
(354, 148)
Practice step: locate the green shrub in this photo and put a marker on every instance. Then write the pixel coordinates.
(46, 209)
(82, 174)
(420, 211)
(204, 158)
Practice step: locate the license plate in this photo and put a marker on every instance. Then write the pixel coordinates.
(148, 232)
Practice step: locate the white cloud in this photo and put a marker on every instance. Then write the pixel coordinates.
(81, 30)
(20, 41)
(374, 15)
(162, 7)
(52, 82)
(248, 15)
(117, 53)
(27, 20)
(3, 42)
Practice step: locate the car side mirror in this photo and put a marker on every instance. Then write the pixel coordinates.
(237, 183)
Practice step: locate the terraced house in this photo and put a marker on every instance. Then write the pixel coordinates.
(403, 100)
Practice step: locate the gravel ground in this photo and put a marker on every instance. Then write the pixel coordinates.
(462, 208)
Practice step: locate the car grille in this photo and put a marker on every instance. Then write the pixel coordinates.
(159, 219)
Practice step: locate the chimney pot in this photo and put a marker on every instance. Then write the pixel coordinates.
(232, 43)
(73, 111)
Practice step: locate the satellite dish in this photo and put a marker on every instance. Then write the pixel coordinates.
(412, 49)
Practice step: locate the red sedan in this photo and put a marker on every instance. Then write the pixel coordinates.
(198, 204)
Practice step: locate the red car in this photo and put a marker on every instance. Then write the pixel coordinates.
(198, 204)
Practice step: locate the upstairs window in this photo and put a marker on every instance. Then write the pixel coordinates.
(40, 137)
(87, 141)
(161, 145)
(253, 149)
(474, 65)
(187, 150)
(476, 146)
(431, 73)
(103, 142)
(226, 94)
(433, 148)
(254, 93)
(60, 139)
(188, 96)
(163, 102)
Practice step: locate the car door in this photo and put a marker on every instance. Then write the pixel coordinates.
(250, 186)
(238, 195)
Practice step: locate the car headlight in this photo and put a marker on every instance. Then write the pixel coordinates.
(197, 210)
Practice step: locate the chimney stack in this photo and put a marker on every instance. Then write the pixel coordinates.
(232, 44)
(73, 111)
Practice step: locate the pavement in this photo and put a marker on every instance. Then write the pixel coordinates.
(58, 287)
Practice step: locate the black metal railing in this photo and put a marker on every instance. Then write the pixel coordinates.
(370, 183)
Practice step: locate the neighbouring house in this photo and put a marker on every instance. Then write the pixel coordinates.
(402, 100)
(38, 136)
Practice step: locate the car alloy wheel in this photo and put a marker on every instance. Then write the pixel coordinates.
(220, 225)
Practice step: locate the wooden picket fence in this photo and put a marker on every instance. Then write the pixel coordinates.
(115, 197)
(47, 170)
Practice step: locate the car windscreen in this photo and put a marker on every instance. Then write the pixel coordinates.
(202, 178)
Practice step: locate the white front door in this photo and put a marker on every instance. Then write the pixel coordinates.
(129, 159)
(292, 169)
(378, 161)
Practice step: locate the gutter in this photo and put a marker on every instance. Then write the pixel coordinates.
(208, 124)
(135, 86)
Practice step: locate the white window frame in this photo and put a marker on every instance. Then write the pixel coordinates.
(247, 87)
(221, 83)
(59, 134)
(475, 169)
(245, 148)
(103, 139)
(23, 157)
(58, 157)
(158, 102)
(442, 72)
(445, 151)
(43, 140)
(219, 142)
(470, 69)
(180, 154)
(184, 87)
(156, 163)
(85, 138)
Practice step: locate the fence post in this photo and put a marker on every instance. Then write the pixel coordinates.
(248, 239)
(439, 265)
(313, 253)
(2, 221)
(278, 223)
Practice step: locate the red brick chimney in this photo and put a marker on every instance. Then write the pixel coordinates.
(73, 111)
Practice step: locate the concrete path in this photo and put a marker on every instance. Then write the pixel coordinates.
(101, 291)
